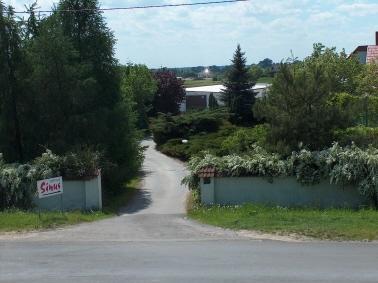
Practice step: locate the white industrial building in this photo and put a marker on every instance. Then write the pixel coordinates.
(198, 97)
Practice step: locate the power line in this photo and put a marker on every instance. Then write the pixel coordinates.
(135, 7)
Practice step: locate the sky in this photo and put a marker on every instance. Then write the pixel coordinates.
(208, 35)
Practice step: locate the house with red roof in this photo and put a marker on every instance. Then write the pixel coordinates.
(367, 53)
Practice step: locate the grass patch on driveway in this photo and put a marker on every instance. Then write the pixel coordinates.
(332, 224)
(19, 221)
(15, 220)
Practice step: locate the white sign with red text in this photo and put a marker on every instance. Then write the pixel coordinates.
(50, 187)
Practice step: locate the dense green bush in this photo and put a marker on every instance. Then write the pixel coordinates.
(18, 181)
(228, 139)
(360, 136)
(350, 165)
(166, 126)
(241, 141)
(211, 142)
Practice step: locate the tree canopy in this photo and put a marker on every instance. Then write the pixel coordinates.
(169, 94)
(61, 88)
(302, 107)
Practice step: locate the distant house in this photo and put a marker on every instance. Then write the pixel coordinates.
(367, 53)
(198, 97)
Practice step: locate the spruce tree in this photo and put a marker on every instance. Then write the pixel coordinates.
(238, 95)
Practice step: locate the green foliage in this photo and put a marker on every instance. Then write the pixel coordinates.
(18, 181)
(266, 63)
(169, 94)
(255, 73)
(12, 88)
(243, 139)
(363, 110)
(300, 108)
(61, 89)
(238, 96)
(360, 136)
(228, 139)
(139, 84)
(166, 126)
(368, 80)
(350, 165)
(210, 142)
(257, 163)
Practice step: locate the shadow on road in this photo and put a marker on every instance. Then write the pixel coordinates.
(140, 200)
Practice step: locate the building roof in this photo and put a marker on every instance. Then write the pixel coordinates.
(207, 172)
(372, 53)
(220, 88)
(209, 88)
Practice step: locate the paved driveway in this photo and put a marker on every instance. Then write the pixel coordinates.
(152, 241)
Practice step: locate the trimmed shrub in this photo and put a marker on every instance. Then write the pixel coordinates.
(167, 127)
(211, 142)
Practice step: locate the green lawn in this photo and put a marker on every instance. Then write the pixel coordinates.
(197, 83)
(16, 220)
(265, 80)
(333, 224)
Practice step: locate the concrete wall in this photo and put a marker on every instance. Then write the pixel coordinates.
(283, 192)
(77, 195)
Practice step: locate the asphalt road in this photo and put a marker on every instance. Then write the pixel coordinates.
(152, 241)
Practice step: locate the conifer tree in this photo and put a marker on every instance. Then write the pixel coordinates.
(238, 95)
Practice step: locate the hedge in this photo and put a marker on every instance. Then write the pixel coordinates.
(166, 126)
(348, 165)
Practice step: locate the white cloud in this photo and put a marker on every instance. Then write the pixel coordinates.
(359, 9)
(206, 35)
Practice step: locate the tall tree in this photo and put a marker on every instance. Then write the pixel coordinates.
(138, 83)
(266, 63)
(11, 62)
(100, 115)
(57, 86)
(169, 94)
(238, 95)
(300, 106)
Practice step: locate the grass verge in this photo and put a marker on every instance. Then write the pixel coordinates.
(16, 220)
(332, 224)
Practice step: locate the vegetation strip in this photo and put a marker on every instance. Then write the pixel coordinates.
(17, 220)
(331, 224)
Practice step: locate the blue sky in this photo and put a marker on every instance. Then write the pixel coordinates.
(208, 35)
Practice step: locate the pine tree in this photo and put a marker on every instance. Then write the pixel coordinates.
(238, 95)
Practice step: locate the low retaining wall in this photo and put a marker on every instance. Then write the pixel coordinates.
(282, 192)
(77, 195)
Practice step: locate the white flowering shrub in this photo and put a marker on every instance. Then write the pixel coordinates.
(18, 182)
(350, 165)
